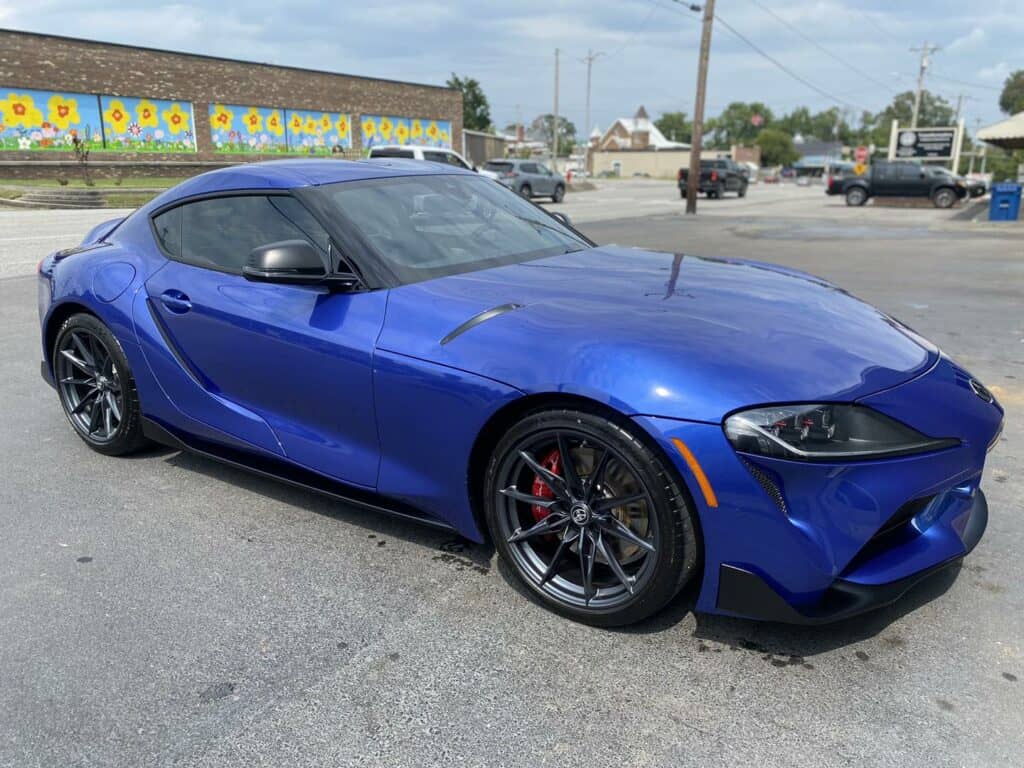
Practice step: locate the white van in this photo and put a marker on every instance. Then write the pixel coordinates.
(416, 152)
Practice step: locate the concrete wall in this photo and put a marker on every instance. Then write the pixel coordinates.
(481, 147)
(662, 164)
(47, 62)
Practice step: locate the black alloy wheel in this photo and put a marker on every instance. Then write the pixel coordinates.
(95, 386)
(589, 518)
(526, 191)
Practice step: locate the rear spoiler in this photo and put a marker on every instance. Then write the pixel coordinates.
(102, 231)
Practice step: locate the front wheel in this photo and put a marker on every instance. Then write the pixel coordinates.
(96, 387)
(559, 194)
(742, 191)
(526, 191)
(591, 520)
(856, 196)
(944, 198)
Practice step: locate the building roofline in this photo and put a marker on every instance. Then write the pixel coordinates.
(27, 33)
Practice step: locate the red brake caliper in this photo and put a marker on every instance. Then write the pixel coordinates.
(553, 463)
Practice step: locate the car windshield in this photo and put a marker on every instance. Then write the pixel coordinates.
(429, 226)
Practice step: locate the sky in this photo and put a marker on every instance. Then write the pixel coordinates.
(649, 47)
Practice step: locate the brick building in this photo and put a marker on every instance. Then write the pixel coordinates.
(156, 109)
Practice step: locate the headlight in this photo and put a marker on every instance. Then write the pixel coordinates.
(824, 432)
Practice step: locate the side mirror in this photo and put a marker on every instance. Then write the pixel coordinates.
(475, 169)
(562, 217)
(293, 262)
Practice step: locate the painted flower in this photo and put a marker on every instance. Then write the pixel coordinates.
(135, 129)
(402, 133)
(20, 110)
(97, 137)
(386, 127)
(158, 134)
(444, 136)
(264, 138)
(48, 131)
(24, 142)
(342, 126)
(62, 112)
(36, 135)
(311, 126)
(325, 123)
(252, 141)
(417, 129)
(432, 131)
(146, 113)
(369, 127)
(274, 124)
(296, 123)
(176, 118)
(69, 138)
(222, 117)
(253, 120)
(116, 116)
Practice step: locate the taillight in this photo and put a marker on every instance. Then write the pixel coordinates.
(509, 174)
(679, 175)
(714, 175)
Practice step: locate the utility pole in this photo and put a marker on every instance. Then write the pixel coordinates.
(589, 60)
(925, 51)
(698, 108)
(554, 122)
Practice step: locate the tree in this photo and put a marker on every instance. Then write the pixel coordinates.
(739, 123)
(1011, 100)
(934, 111)
(540, 130)
(827, 125)
(776, 147)
(476, 112)
(674, 126)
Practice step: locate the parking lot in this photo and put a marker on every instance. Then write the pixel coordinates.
(165, 610)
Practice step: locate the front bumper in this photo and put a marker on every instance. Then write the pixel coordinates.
(745, 593)
(811, 542)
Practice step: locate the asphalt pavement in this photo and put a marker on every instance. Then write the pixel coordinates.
(165, 610)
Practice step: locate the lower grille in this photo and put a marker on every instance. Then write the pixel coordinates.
(896, 530)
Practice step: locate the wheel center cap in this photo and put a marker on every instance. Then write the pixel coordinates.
(580, 513)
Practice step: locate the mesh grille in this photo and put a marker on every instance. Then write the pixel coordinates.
(768, 484)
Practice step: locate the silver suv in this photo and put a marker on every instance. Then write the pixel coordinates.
(527, 177)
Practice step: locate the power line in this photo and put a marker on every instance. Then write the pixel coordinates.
(799, 78)
(966, 83)
(823, 49)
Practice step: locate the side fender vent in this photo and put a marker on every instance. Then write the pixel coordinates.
(768, 484)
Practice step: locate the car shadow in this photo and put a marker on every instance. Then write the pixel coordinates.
(450, 544)
(789, 640)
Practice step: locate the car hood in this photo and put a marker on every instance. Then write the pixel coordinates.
(657, 333)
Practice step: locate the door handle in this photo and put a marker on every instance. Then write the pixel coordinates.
(176, 301)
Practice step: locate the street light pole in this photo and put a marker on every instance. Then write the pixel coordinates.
(589, 61)
(925, 51)
(554, 122)
(698, 108)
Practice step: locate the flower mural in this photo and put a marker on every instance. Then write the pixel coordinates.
(253, 120)
(146, 125)
(318, 133)
(47, 120)
(389, 129)
(275, 123)
(221, 117)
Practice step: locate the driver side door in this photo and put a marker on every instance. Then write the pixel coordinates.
(297, 357)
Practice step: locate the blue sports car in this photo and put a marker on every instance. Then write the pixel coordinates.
(619, 423)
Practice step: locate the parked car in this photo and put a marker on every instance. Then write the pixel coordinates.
(899, 178)
(619, 423)
(716, 178)
(528, 177)
(417, 152)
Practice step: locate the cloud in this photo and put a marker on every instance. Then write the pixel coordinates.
(995, 72)
(973, 38)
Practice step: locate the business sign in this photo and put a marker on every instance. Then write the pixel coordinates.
(926, 143)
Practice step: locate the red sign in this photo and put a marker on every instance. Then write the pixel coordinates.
(861, 154)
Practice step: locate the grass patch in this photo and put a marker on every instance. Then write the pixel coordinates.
(126, 183)
(128, 199)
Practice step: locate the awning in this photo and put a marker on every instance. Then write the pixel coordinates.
(1009, 134)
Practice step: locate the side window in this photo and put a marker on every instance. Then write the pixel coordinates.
(435, 157)
(529, 168)
(909, 171)
(455, 160)
(168, 231)
(885, 171)
(544, 170)
(391, 152)
(219, 233)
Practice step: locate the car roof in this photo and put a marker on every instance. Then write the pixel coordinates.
(292, 174)
(425, 147)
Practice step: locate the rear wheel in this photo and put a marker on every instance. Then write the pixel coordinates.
(944, 198)
(682, 192)
(856, 196)
(96, 387)
(526, 191)
(590, 519)
(559, 194)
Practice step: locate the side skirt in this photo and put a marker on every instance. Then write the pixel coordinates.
(269, 467)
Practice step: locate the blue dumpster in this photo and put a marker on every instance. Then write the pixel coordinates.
(1005, 204)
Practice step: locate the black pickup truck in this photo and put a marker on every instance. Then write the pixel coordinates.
(716, 178)
(900, 179)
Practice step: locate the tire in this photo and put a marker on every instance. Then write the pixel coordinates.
(944, 198)
(742, 192)
(96, 388)
(559, 194)
(526, 191)
(856, 196)
(682, 192)
(537, 541)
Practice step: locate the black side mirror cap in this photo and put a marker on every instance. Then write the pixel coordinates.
(294, 262)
